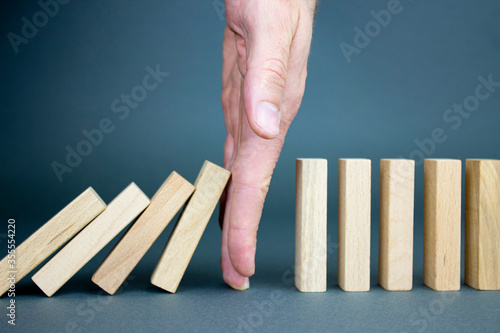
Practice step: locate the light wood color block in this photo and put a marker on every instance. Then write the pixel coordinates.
(395, 264)
(354, 224)
(166, 202)
(442, 206)
(482, 224)
(187, 233)
(67, 262)
(311, 185)
(57, 231)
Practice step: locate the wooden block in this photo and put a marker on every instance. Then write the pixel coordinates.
(311, 184)
(187, 233)
(166, 202)
(119, 213)
(482, 224)
(57, 231)
(354, 224)
(395, 264)
(442, 205)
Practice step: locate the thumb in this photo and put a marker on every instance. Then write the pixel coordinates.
(268, 48)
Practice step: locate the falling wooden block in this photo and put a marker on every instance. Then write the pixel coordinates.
(482, 224)
(354, 224)
(135, 243)
(395, 265)
(310, 224)
(442, 205)
(187, 233)
(57, 231)
(119, 213)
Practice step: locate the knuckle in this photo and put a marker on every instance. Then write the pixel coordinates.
(276, 73)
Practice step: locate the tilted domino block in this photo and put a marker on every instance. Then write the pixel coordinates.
(442, 206)
(354, 224)
(187, 233)
(57, 231)
(482, 224)
(67, 262)
(166, 202)
(310, 224)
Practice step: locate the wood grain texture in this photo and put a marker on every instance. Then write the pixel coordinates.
(67, 262)
(354, 224)
(395, 265)
(187, 233)
(166, 202)
(57, 231)
(482, 224)
(310, 224)
(442, 208)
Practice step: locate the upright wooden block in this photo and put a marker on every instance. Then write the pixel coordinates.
(482, 224)
(395, 264)
(57, 231)
(442, 205)
(119, 213)
(135, 243)
(354, 224)
(311, 184)
(187, 233)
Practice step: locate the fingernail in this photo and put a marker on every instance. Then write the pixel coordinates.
(246, 285)
(268, 118)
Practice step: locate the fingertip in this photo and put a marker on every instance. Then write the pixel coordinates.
(245, 286)
(231, 277)
(242, 250)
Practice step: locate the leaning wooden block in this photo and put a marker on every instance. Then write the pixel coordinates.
(395, 264)
(119, 213)
(310, 224)
(187, 233)
(482, 224)
(354, 224)
(57, 231)
(442, 205)
(135, 243)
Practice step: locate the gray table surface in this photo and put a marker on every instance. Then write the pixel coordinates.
(204, 303)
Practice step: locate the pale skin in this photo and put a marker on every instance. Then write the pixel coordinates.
(265, 51)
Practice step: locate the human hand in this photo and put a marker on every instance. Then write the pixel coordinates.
(265, 51)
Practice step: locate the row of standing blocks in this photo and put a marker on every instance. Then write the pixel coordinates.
(442, 224)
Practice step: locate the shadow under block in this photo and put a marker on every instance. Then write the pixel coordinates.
(397, 183)
(482, 224)
(354, 224)
(166, 202)
(442, 206)
(310, 224)
(187, 233)
(57, 231)
(71, 258)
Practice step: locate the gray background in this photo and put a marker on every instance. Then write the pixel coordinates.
(395, 91)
